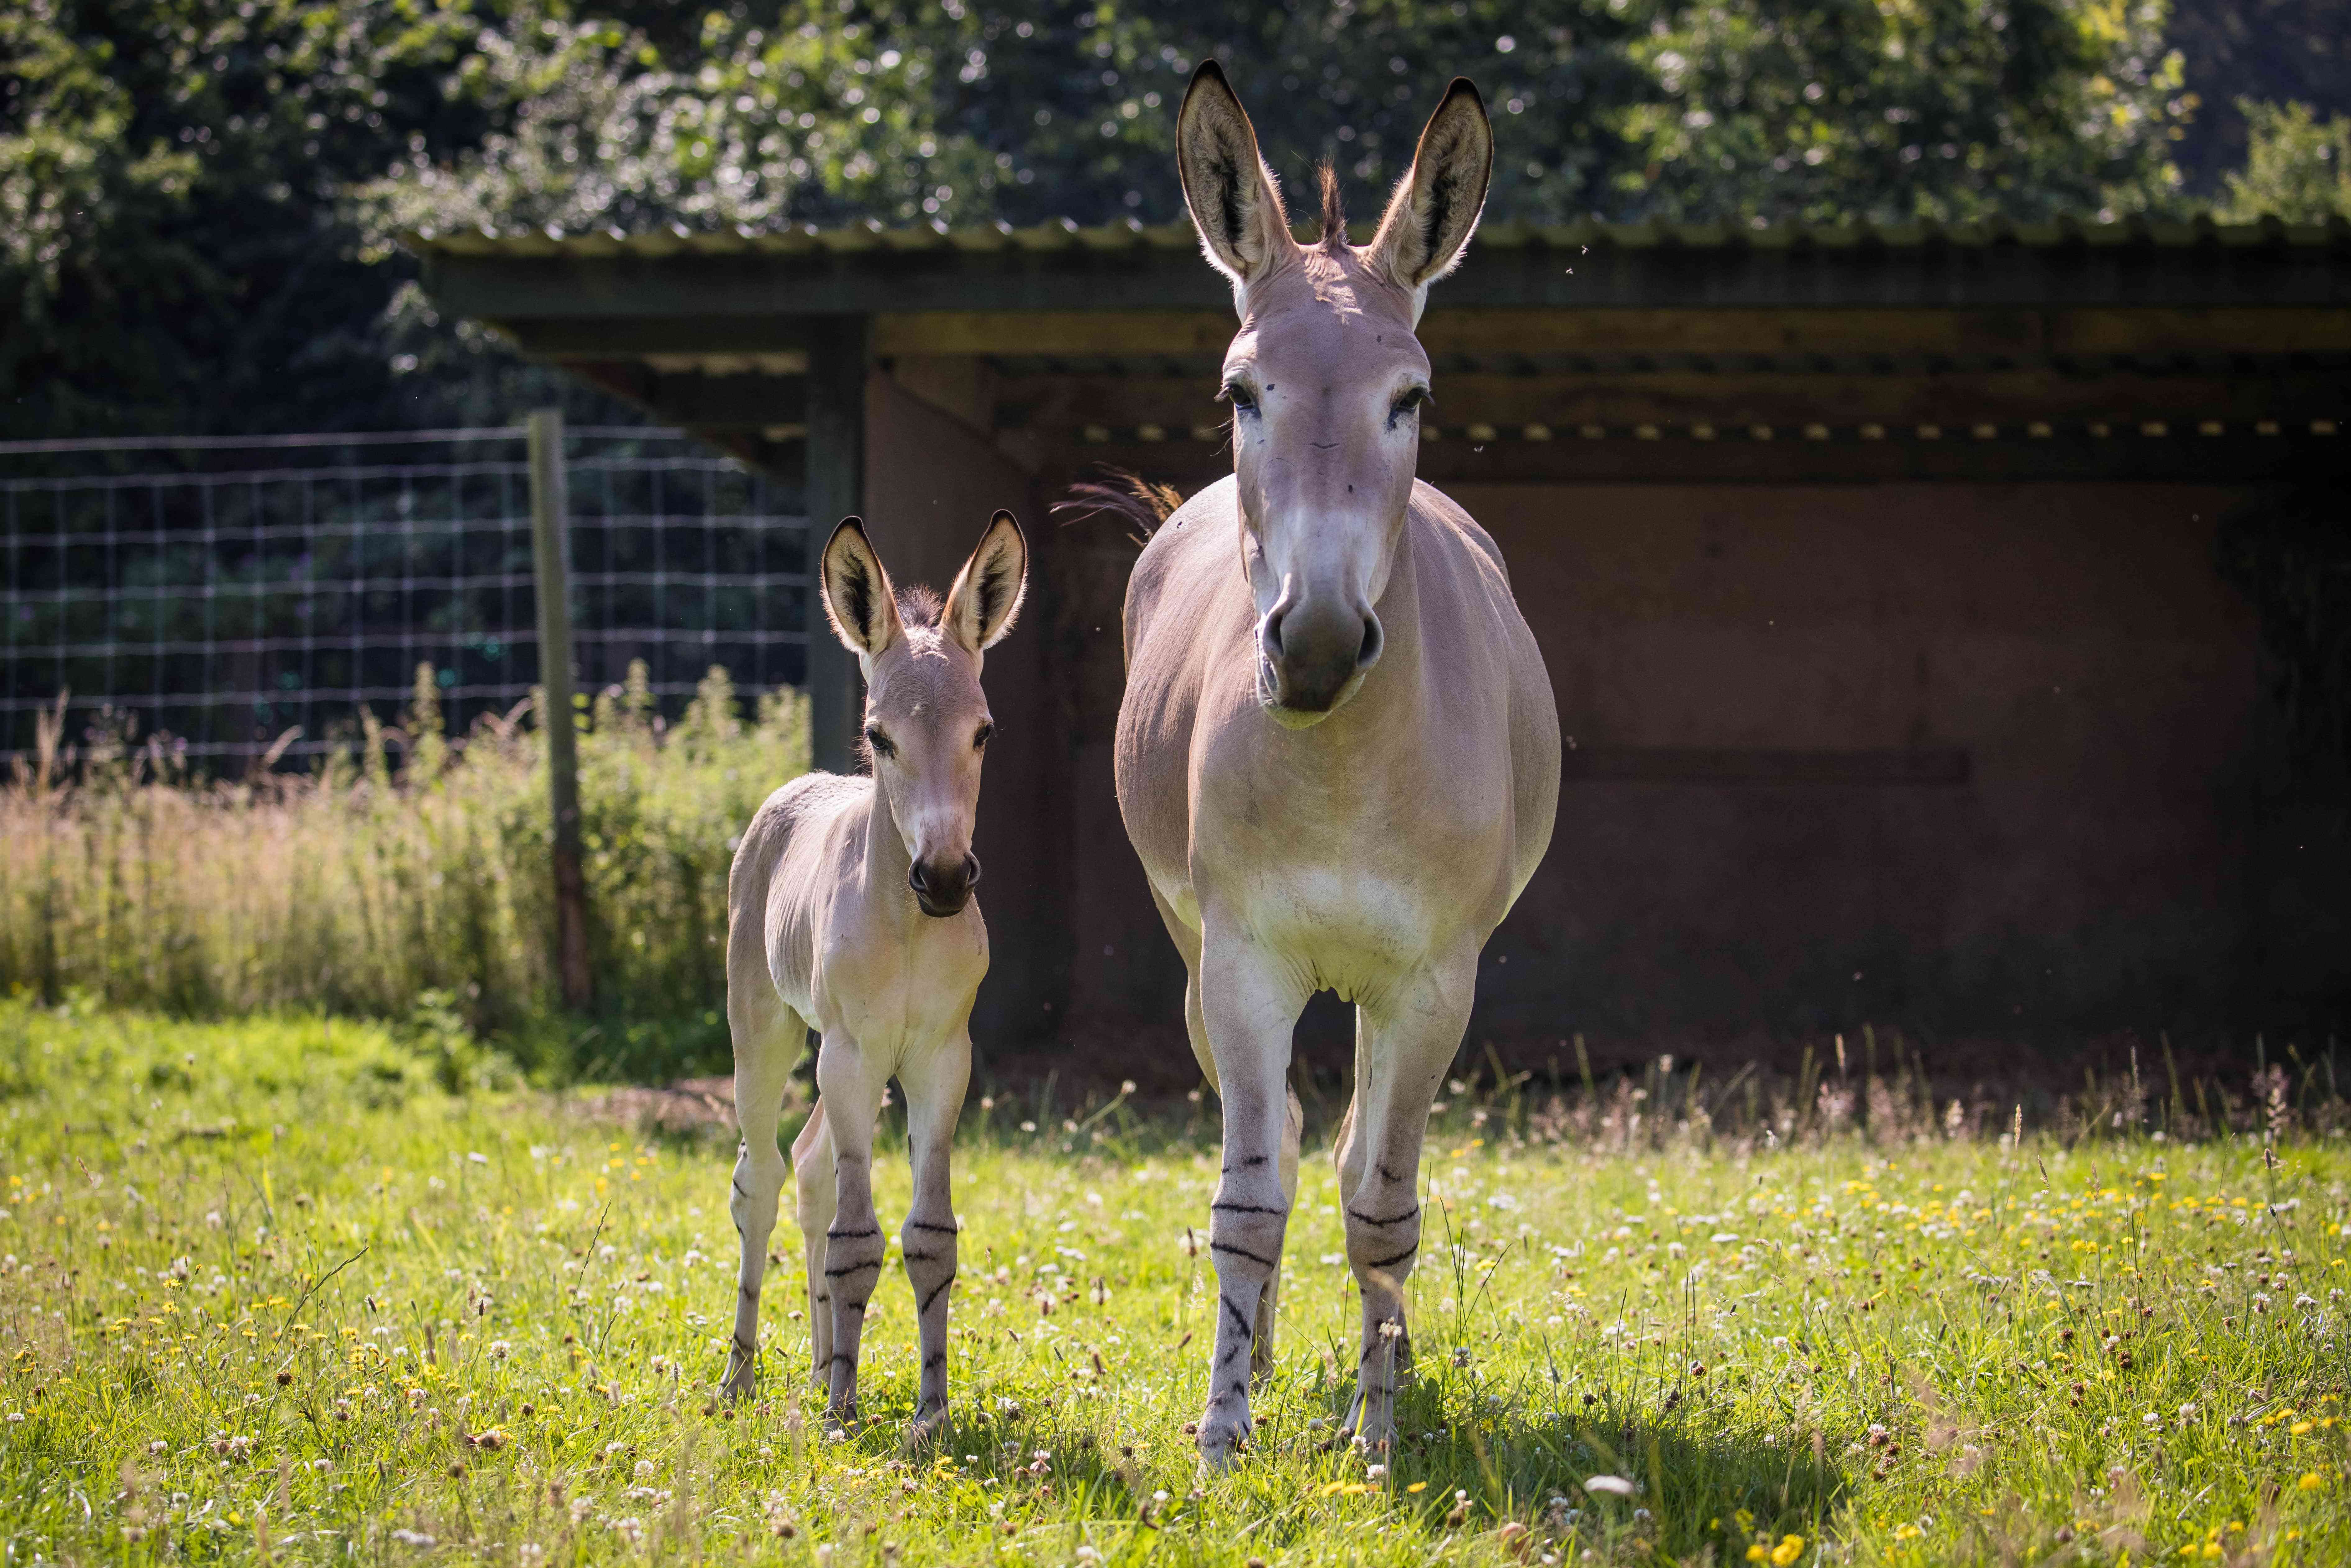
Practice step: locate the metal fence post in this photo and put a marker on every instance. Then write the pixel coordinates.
(550, 547)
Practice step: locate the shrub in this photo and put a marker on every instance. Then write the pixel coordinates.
(419, 892)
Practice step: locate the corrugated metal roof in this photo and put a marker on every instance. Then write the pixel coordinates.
(1132, 234)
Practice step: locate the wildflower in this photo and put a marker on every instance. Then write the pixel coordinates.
(2310, 1482)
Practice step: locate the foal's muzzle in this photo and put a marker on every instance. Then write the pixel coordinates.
(943, 891)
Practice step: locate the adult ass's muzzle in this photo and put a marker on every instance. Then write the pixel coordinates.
(1312, 655)
(941, 891)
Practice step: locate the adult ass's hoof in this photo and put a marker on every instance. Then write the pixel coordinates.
(1224, 1435)
(1369, 1425)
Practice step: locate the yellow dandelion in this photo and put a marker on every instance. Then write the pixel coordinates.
(2310, 1482)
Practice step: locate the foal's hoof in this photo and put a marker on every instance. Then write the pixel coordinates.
(928, 1426)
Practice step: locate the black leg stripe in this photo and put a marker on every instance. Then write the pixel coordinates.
(934, 1296)
(850, 1235)
(1387, 1174)
(1241, 1320)
(1243, 1252)
(750, 1295)
(848, 1269)
(936, 1358)
(1242, 1208)
(1412, 1213)
(921, 1257)
(933, 1229)
(1385, 1262)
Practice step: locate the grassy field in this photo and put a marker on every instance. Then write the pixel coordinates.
(273, 1293)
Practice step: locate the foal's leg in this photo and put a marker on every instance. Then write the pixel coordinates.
(852, 1088)
(813, 1180)
(935, 1087)
(1251, 1004)
(768, 1037)
(1401, 1056)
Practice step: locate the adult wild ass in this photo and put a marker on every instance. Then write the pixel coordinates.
(1338, 754)
(850, 908)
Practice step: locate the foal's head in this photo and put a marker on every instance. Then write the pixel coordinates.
(927, 723)
(1326, 379)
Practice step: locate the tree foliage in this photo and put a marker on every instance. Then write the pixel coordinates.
(2297, 167)
(200, 200)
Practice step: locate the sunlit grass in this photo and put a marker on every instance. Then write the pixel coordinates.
(271, 1292)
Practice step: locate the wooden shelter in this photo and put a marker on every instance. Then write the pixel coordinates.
(1876, 570)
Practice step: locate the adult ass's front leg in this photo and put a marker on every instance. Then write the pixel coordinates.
(1195, 1025)
(1402, 1049)
(1251, 1001)
(769, 1039)
(849, 1088)
(934, 1086)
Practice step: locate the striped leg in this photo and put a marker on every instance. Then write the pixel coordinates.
(1261, 1347)
(852, 1243)
(768, 1038)
(812, 1178)
(1251, 1004)
(934, 1090)
(1400, 1057)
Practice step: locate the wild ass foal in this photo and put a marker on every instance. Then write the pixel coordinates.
(1338, 755)
(849, 908)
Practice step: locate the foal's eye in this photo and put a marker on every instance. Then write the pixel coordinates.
(1412, 400)
(980, 737)
(1238, 394)
(879, 741)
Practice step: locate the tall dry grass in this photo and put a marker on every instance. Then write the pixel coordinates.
(408, 874)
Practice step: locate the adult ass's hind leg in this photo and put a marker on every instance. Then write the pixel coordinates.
(1188, 944)
(768, 1037)
(1250, 1002)
(934, 1090)
(1401, 1054)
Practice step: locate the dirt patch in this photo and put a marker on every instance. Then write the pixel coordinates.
(688, 1106)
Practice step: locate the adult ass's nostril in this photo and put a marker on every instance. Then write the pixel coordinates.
(1369, 654)
(1272, 635)
(917, 881)
(970, 871)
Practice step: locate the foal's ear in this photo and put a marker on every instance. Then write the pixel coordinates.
(1234, 204)
(1435, 206)
(987, 590)
(858, 598)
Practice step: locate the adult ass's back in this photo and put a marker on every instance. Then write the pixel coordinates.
(1338, 753)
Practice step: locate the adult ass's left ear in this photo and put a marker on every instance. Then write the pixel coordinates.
(1435, 206)
(988, 590)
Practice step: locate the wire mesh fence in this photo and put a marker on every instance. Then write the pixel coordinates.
(245, 595)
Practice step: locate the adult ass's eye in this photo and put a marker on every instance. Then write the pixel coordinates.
(1243, 399)
(879, 741)
(980, 737)
(1412, 401)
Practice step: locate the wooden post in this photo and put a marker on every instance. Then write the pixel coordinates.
(552, 549)
(836, 489)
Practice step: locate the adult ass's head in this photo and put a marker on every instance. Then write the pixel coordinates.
(926, 720)
(1326, 379)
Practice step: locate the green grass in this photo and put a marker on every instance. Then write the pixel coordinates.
(272, 1292)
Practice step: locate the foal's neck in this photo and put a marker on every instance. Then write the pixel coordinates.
(886, 862)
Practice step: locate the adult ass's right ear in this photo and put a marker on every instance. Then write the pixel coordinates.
(858, 598)
(987, 590)
(1235, 202)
